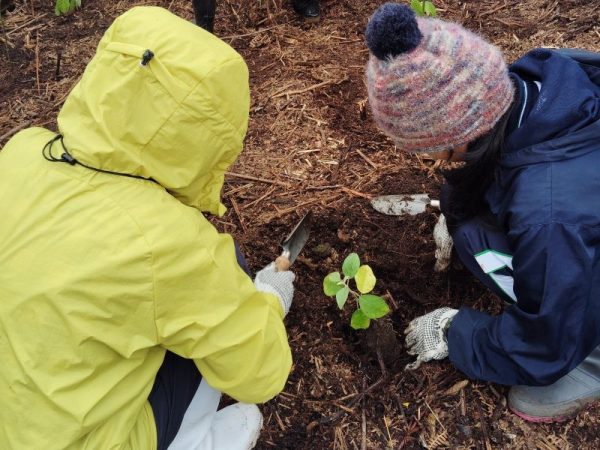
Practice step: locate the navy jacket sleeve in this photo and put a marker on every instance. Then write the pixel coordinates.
(555, 323)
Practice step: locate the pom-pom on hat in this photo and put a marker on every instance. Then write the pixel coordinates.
(432, 84)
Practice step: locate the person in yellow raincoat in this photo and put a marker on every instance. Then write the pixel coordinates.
(116, 293)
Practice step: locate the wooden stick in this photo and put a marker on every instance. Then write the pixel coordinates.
(279, 421)
(309, 88)
(260, 180)
(12, 30)
(260, 199)
(237, 211)
(371, 163)
(37, 62)
(322, 188)
(283, 212)
(356, 193)
(492, 11)
(484, 429)
(7, 43)
(252, 33)
(15, 129)
(58, 57)
(435, 415)
(363, 445)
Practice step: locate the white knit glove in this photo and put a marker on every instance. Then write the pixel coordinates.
(443, 245)
(426, 336)
(280, 284)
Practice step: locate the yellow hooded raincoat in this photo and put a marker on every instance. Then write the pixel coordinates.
(100, 273)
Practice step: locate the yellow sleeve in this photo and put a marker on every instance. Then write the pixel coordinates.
(208, 309)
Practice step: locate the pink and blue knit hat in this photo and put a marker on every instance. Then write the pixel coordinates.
(432, 84)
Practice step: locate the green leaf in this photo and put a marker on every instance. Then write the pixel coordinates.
(359, 321)
(365, 279)
(332, 283)
(66, 6)
(373, 306)
(62, 7)
(341, 296)
(351, 265)
(429, 9)
(417, 7)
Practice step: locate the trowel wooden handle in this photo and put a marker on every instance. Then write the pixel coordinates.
(282, 263)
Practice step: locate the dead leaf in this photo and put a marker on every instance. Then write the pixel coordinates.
(456, 388)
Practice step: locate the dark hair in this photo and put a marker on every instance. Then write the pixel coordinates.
(468, 183)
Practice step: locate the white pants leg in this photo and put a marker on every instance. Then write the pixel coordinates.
(235, 427)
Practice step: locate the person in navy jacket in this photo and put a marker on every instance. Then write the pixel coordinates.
(522, 211)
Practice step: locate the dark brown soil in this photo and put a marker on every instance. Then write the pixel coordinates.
(312, 145)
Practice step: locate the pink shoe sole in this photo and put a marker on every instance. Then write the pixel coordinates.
(536, 419)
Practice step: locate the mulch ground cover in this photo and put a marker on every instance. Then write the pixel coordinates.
(312, 145)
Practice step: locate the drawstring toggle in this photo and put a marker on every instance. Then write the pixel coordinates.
(146, 57)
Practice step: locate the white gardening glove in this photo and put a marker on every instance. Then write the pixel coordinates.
(443, 245)
(426, 336)
(280, 284)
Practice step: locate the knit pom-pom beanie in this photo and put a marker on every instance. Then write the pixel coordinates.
(432, 84)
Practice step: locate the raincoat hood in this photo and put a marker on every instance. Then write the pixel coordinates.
(180, 119)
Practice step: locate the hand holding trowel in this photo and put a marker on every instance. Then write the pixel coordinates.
(294, 243)
(276, 278)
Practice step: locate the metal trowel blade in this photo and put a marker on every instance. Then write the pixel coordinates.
(296, 240)
(400, 205)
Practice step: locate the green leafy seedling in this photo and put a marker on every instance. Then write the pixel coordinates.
(369, 306)
(66, 6)
(423, 8)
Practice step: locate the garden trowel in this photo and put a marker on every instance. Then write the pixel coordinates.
(400, 205)
(294, 243)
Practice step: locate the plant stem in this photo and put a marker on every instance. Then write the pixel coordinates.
(3, 30)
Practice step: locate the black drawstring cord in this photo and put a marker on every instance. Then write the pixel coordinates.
(68, 158)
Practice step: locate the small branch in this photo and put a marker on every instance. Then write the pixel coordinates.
(363, 156)
(484, 429)
(363, 445)
(309, 88)
(463, 407)
(58, 58)
(435, 415)
(323, 188)
(252, 33)
(294, 208)
(492, 11)
(237, 212)
(260, 199)
(356, 193)
(260, 180)
(23, 25)
(342, 159)
(15, 129)
(37, 62)
(381, 363)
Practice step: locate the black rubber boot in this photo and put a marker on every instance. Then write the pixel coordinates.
(204, 11)
(309, 9)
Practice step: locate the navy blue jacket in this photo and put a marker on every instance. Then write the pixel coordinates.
(547, 200)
